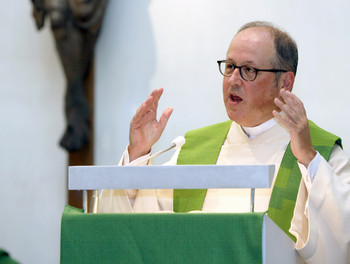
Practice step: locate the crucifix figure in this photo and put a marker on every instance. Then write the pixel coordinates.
(75, 25)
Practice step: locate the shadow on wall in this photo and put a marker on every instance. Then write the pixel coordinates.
(125, 64)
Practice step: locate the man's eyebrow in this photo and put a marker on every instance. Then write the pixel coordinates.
(230, 60)
(244, 63)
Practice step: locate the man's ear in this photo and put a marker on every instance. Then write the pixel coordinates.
(287, 81)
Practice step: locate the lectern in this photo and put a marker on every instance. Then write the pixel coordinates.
(168, 237)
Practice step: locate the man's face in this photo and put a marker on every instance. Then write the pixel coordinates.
(250, 103)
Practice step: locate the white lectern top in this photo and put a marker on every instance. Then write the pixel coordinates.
(170, 177)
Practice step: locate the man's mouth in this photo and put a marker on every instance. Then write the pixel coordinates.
(235, 98)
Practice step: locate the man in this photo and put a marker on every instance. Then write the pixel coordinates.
(310, 199)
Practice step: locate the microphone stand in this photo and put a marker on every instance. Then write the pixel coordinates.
(155, 155)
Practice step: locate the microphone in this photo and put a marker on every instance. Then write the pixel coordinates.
(176, 143)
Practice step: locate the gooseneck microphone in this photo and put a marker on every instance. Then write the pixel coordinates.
(176, 143)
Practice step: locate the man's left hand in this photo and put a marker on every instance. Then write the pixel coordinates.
(295, 120)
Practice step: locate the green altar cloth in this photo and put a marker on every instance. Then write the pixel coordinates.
(160, 238)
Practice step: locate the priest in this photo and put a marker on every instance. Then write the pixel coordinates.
(310, 196)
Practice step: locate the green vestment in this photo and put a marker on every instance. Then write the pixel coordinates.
(203, 147)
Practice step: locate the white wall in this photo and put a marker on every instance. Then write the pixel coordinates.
(32, 166)
(175, 45)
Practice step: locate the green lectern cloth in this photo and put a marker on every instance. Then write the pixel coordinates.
(160, 238)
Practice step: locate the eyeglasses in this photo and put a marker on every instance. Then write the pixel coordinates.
(248, 73)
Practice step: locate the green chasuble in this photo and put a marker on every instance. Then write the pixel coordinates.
(203, 147)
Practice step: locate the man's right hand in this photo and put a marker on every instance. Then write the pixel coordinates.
(145, 129)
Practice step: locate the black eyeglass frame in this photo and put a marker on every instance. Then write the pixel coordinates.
(240, 69)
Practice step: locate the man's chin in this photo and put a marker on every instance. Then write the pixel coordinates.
(237, 117)
(243, 120)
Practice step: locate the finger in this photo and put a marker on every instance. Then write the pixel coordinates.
(292, 106)
(279, 103)
(294, 115)
(291, 97)
(150, 104)
(158, 94)
(163, 120)
(156, 98)
(286, 95)
(283, 105)
(286, 121)
(287, 109)
(292, 101)
(288, 101)
(141, 111)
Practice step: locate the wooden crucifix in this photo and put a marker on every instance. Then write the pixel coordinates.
(75, 25)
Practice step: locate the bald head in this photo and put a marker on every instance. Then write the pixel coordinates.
(286, 51)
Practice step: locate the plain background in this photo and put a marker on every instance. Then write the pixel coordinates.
(144, 45)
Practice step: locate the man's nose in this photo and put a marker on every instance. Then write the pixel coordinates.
(236, 76)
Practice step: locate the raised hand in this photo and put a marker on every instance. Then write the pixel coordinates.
(145, 129)
(295, 120)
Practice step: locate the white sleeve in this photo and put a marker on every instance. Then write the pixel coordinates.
(313, 166)
(125, 160)
(138, 201)
(160, 200)
(321, 221)
(121, 201)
